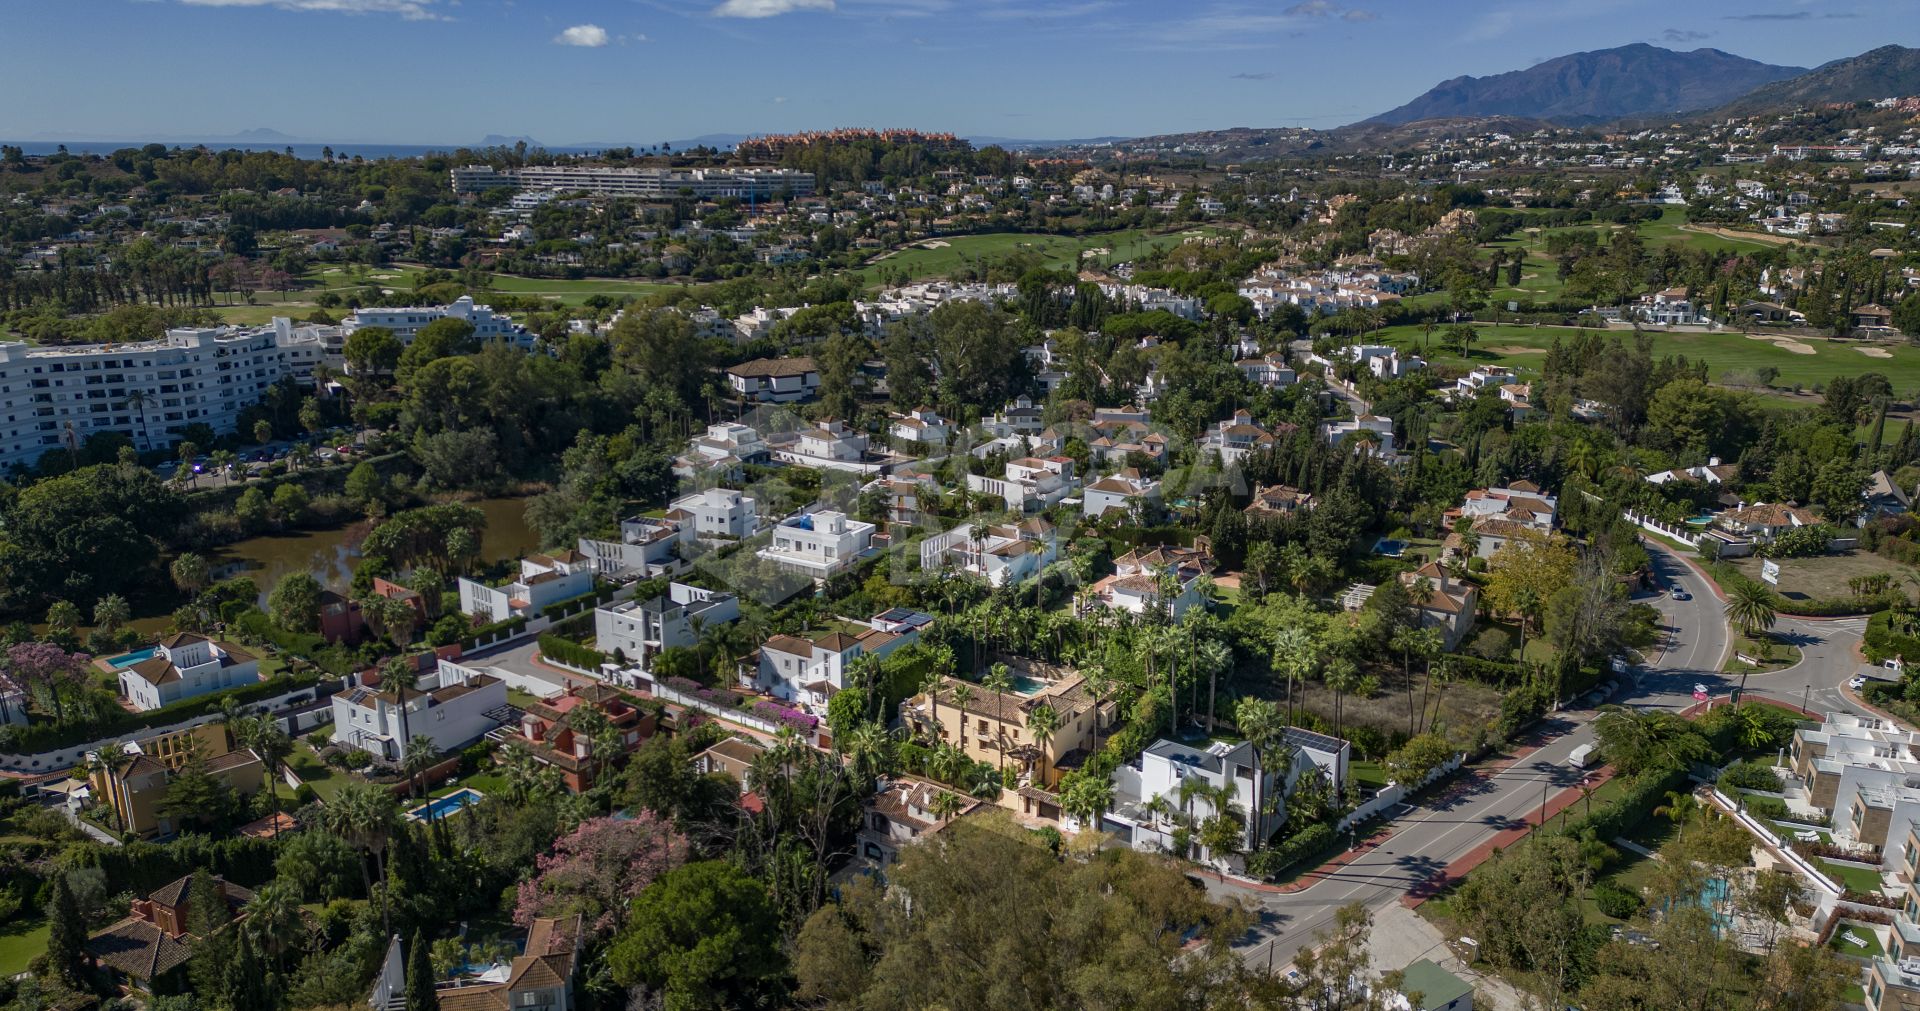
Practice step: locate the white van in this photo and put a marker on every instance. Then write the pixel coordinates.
(1581, 756)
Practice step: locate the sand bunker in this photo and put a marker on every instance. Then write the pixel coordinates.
(1794, 346)
(1515, 349)
(1875, 352)
(935, 244)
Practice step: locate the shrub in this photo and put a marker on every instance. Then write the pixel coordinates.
(568, 652)
(788, 717)
(1308, 842)
(1770, 808)
(1615, 901)
(1749, 776)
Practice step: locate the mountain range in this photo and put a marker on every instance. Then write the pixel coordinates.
(1880, 73)
(1597, 86)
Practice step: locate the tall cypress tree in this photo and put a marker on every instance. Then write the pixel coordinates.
(67, 932)
(420, 996)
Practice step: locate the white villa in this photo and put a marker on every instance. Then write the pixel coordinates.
(1003, 555)
(1030, 482)
(1121, 491)
(922, 425)
(774, 380)
(719, 513)
(723, 450)
(635, 631)
(1381, 428)
(1166, 767)
(183, 666)
(543, 580)
(811, 670)
(829, 445)
(1239, 437)
(452, 706)
(1135, 586)
(819, 544)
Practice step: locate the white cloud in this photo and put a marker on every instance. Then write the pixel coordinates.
(412, 10)
(768, 8)
(588, 36)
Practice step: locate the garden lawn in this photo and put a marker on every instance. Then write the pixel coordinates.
(1369, 774)
(1824, 577)
(1784, 655)
(1858, 879)
(20, 941)
(1839, 942)
(1523, 348)
(306, 764)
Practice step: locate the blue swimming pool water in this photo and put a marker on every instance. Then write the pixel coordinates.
(440, 807)
(126, 660)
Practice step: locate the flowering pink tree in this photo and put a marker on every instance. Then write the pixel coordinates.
(44, 666)
(597, 869)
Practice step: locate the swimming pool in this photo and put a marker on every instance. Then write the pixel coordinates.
(126, 660)
(452, 803)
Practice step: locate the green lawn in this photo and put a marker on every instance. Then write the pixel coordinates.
(1858, 879)
(942, 256)
(1839, 942)
(1783, 655)
(20, 941)
(306, 764)
(1524, 348)
(1369, 774)
(1539, 273)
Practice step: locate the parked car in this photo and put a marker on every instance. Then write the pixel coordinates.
(1680, 593)
(343, 450)
(1858, 682)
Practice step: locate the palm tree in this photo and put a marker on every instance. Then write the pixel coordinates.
(402, 675)
(1259, 722)
(870, 748)
(263, 736)
(138, 401)
(1224, 832)
(1411, 642)
(1750, 605)
(365, 814)
(110, 612)
(999, 681)
(521, 770)
(1214, 657)
(1042, 721)
(946, 804)
(1341, 677)
(1297, 654)
(190, 573)
(110, 760)
(1086, 797)
(274, 918)
(422, 754)
(1679, 808)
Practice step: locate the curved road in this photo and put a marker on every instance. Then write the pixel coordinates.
(1482, 804)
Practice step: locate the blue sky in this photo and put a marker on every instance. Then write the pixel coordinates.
(639, 71)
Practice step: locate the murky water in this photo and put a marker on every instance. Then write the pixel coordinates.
(330, 555)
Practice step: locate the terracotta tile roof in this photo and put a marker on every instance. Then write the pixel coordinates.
(157, 671)
(790, 644)
(773, 368)
(138, 948)
(179, 639)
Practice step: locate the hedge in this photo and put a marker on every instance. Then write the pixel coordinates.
(39, 737)
(1632, 807)
(1770, 808)
(1749, 776)
(574, 605)
(567, 651)
(1883, 641)
(1306, 843)
(1615, 901)
(487, 634)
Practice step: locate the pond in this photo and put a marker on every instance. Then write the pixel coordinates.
(330, 555)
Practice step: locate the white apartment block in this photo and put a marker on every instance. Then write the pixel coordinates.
(452, 706)
(151, 390)
(635, 631)
(655, 183)
(718, 513)
(406, 322)
(819, 544)
(648, 547)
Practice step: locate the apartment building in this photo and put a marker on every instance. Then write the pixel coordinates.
(451, 706)
(185, 665)
(406, 322)
(820, 545)
(543, 579)
(55, 397)
(1002, 555)
(635, 631)
(640, 182)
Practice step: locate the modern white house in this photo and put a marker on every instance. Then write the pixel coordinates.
(407, 322)
(923, 426)
(774, 380)
(720, 513)
(1164, 770)
(1020, 417)
(1381, 430)
(452, 706)
(820, 544)
(183, 666)
(1270, 372)
(1125, 491)
(1484, 377)
(648, 546)
(1239, 437)
(543, 580)
(1030, 482)
(1002, 555)
(829, 445)
(149, 391)
(811, 669)
(723, 451)
(633, 632)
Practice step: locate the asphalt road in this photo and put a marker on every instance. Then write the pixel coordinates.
(1444, 829)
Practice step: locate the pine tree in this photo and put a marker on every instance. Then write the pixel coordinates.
(420, 996)
(66, 937)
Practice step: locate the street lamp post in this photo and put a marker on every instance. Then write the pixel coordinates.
(1804, 692)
